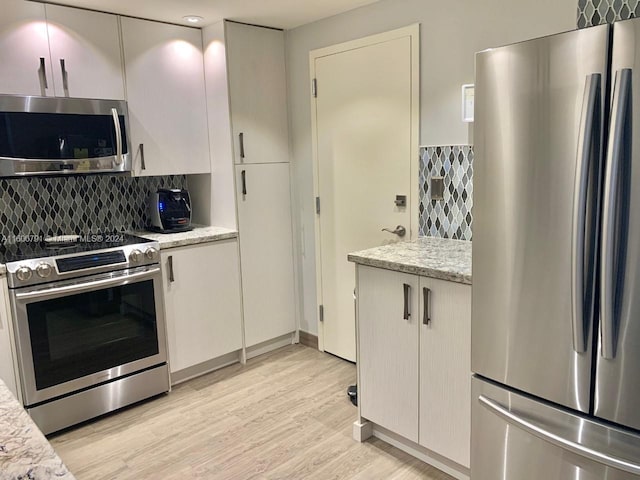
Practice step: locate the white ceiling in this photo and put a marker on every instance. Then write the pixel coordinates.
(284, 14)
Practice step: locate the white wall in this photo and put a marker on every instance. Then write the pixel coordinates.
(451, 32)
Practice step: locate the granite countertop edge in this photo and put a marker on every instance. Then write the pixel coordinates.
(443, 259)
(199, 234)
(25, 453)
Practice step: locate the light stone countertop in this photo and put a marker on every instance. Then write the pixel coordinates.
(427, 256)
(199, 234)
(25, 453)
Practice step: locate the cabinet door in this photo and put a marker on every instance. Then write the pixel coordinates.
(445, 369)
(202, 302)
(266, 251)
(166, 94)
(257, 87)
(89, 44)
(24, 49)
(388, 349)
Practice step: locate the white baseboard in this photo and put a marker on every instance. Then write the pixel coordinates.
(270, 345)
(421, 453)
(205, 367)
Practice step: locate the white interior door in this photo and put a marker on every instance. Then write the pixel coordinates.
(366, 145)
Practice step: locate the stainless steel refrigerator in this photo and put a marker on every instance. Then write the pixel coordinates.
(556, 258)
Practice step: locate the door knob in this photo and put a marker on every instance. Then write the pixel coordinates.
(400, 231)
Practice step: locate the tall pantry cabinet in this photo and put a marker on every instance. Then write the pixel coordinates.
(253, 100)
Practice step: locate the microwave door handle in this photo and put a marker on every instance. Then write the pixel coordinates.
(116, 124)
(588, 127)
(615, 151)
(54, 292)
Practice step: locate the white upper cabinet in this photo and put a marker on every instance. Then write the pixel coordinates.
(258, 93)
(166, 94)
(24, 49)
(88, 43)
(35, 40)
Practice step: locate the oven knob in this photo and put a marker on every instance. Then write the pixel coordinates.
(44, 270)
(24, 274)
(135, 256)
(151, 253)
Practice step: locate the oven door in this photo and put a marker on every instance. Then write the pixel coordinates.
(79, 333)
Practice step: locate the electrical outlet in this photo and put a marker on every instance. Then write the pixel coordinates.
(437, 188)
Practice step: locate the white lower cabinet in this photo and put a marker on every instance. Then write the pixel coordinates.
(266, 251)
(202, 302)
(388, 388)
(8, 370)
(414, 359)
(445, 369)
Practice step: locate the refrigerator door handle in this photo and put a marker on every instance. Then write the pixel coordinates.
(615, 151)
(537, 428)
(586, 134)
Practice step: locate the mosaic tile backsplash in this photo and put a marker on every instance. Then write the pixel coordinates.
(596, 12)
(76, 204)
(450, 217)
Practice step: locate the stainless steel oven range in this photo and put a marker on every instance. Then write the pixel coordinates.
(89, 325)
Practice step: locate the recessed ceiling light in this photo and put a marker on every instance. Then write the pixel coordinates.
(193, 18)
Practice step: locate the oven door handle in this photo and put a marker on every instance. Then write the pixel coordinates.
(86, 286)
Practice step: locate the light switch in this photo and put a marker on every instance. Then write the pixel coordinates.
(468, 101)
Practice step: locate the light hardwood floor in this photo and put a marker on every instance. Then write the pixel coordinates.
(284, 415)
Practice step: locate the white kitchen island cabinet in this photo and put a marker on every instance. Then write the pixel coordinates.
(167, 100)
(50, 50)
(202, 307)
(414, 349)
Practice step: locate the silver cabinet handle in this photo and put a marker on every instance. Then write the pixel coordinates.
(172, 278)
(143, 165)
(426, 315)
(116, 125)
(243, 174)
(241, 138)
(615, 151)
(534, 426)
(43, 72)
(588, 128)
(399, 230)
(407, 292)
(65, 77)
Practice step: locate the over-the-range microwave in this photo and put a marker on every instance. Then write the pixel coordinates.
(61, 136)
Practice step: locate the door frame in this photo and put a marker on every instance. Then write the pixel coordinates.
(413, 32)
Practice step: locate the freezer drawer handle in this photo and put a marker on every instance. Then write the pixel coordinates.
(614, 163)
(589, 126)
(407, 291)
(543, 432)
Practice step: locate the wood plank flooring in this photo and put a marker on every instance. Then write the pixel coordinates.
(284, 415)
